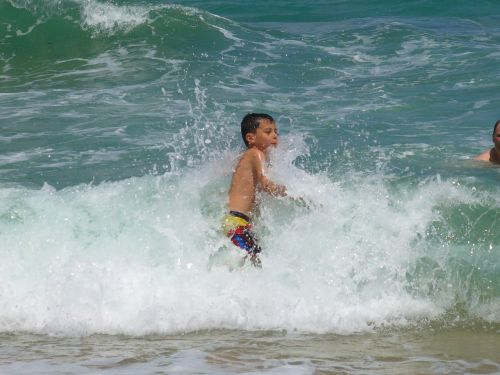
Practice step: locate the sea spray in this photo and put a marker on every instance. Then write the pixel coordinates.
(119, 130)
(131, 256)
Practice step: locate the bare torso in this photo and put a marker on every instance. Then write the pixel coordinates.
(244, 182)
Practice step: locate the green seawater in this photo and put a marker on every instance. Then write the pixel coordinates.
(119, 127)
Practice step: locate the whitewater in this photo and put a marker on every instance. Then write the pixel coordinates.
(119, 130)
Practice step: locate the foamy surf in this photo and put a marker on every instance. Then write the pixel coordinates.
(132, 257)
(119, 130)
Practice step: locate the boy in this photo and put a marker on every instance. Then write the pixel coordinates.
(259, 133)
(492, 155)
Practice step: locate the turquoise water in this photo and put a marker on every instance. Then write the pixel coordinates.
(119, 125)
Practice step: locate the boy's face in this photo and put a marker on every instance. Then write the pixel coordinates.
(265, 135)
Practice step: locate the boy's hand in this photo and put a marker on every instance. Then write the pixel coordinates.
(301, 202)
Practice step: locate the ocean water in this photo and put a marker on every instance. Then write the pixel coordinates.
(119, 127)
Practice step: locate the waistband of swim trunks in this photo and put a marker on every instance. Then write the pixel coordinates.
(240, 215)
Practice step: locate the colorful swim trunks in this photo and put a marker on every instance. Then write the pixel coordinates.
(238, 228)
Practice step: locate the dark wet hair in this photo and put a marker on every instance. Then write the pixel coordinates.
(495, 127)
(251, 122)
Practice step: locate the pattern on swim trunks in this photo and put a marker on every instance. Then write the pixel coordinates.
(243, 237)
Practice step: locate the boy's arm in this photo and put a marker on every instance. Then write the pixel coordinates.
(265, 183)
(273, 188)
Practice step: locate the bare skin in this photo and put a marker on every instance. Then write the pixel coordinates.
(250, 172)
(492, 155)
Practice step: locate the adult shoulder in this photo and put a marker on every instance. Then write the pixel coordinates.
(485, 156)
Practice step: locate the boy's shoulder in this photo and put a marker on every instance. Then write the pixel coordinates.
(252, 153)
(250, 158)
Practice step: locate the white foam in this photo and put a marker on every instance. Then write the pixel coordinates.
(13, 157)
(131, 256)
(106, 17)
(481, 103)
(109, 18)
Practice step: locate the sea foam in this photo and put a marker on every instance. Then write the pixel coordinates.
(132, 256)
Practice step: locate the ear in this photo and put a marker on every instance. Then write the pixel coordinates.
(250, 137)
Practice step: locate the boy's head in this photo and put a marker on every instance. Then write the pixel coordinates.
(251, 123)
